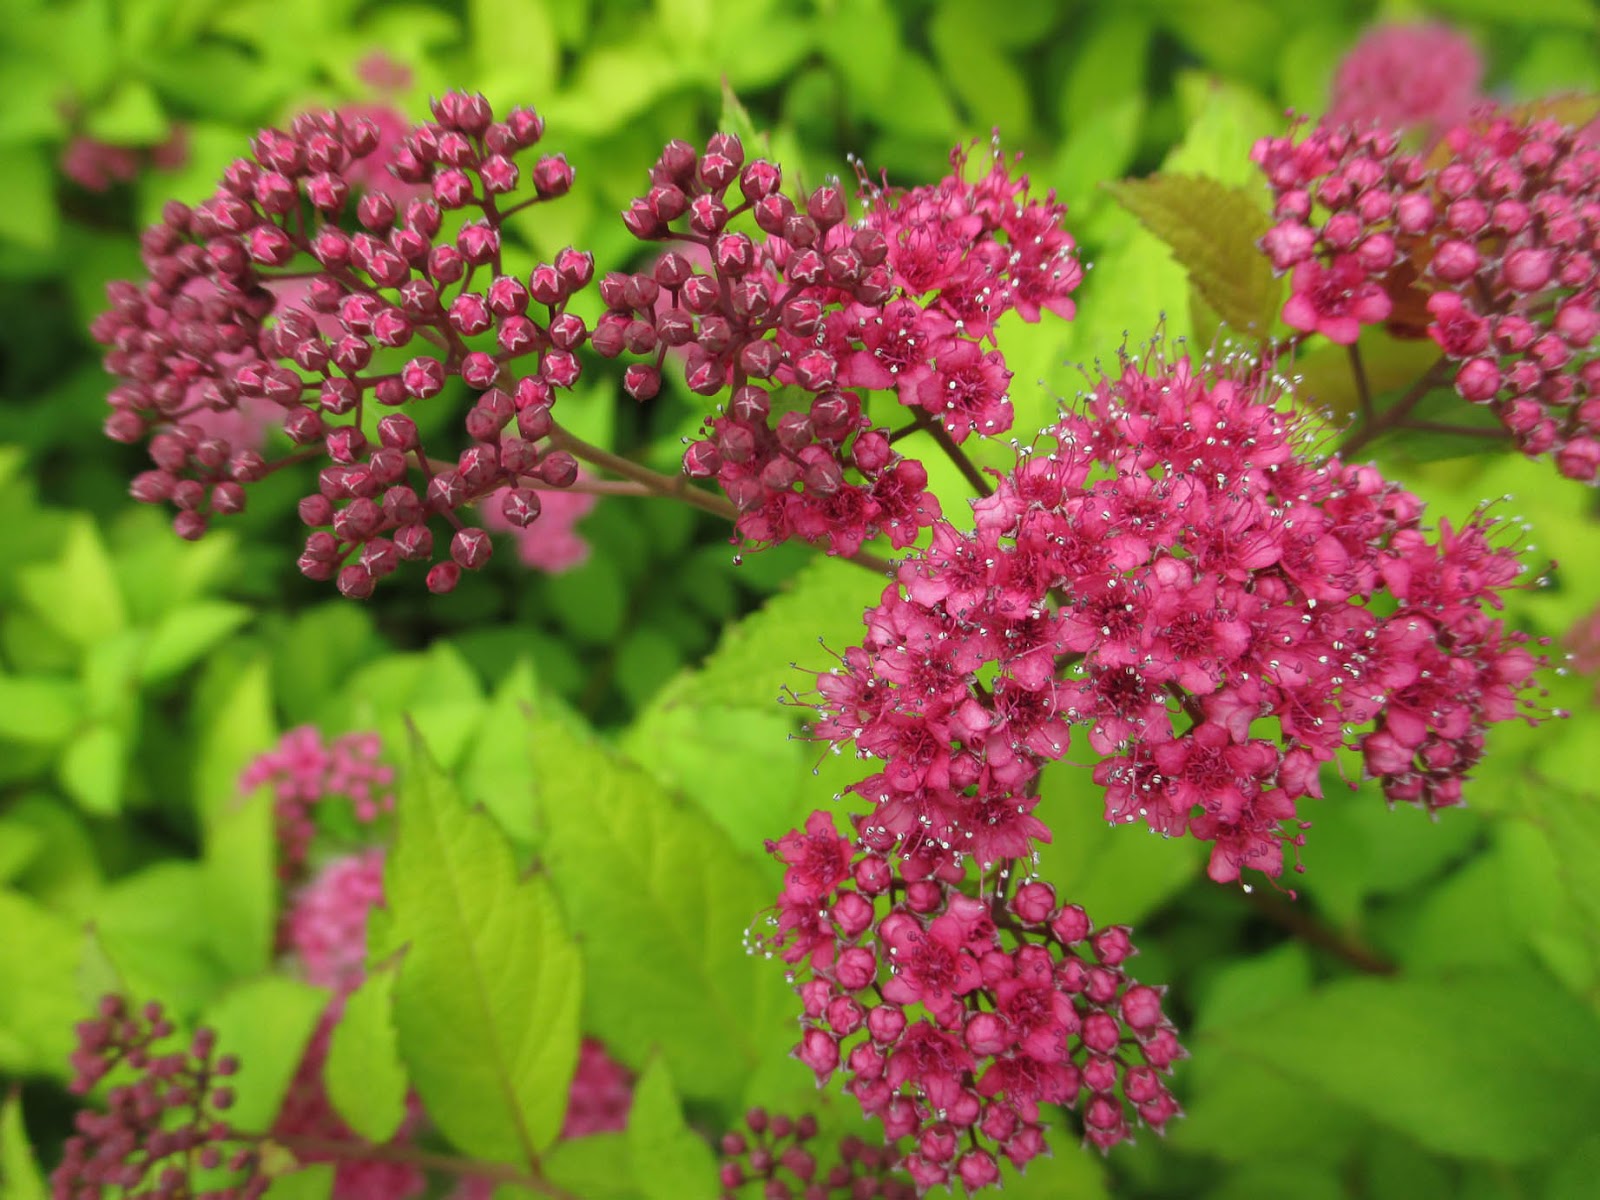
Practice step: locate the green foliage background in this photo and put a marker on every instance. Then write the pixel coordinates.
(618, 725)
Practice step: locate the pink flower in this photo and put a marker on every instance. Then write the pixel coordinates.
(601, 1095)
(325, 929)
(1400, 76)
(1335, 301)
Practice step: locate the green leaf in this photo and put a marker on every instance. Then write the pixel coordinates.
(41, 948)
(436, 693)
(736, 119)
(664, 919)
(590, 602)
(39, 710)
(596, 1167)
(19, 1174)
(615, 83)
(1212, 229)
(267, 1024)
(1491, 1064)
(1573, 14)
(990, 88)
(186, 633)
(19, 845)
(92, 769)
(151, 924)
(710, 755)
(365, 1078)
(496, 773)
(65, 872)
(1272, 1181)
(488, 996)
(307, 1183)
(756, 659)
(240, 727)
(241, 887)
(515, 49)
(28, 217)
(77, 595)
(130, 116)
(670, 1161)
(1225, 121)
(1245, 43)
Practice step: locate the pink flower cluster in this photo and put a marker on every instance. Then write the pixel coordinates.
(163, 1118)
(305, 771)
(900, 301)
(1490, 244)
(955, 1017)
(1220, 612)
(1407, 76)
(774, 1154)
(391, 314)
(98, 166)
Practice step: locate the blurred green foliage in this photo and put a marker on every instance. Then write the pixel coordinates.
(138, 674)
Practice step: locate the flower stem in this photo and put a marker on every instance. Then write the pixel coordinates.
(1394, 417)
(1363, 389)
(328, 1148)
(965, 465)
(674, 487)
(1311, 931)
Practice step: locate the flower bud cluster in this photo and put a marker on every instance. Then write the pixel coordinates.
(1489, 244)
(1221, 613)
(305, 771)
(773, 1153)
(954, 1016)
(163, 1115)
(292, 287)
(793, 322)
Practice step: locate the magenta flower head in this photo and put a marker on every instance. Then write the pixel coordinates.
(305, 771)
(310, 289)
(953, 1015)
(165, 1116)
(1486, 246)
(1218, 612)
(1407, 76)
(325, 929)
(783, 291)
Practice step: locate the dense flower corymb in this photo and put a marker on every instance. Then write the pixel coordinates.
(954, 1016)
(1220, 613)
(304, 289)
(1487, 246)
(762, 292)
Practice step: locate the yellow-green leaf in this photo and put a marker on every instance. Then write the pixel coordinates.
(1212, 229)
